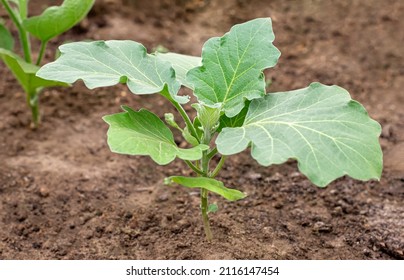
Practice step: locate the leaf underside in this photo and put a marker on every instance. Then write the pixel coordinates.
(107, 63)
(143, 133)
(25, 72)
(208, 184)
(58, 19)
(328, 133)
(232, 66)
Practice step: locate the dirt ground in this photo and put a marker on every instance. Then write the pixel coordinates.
(64, 195)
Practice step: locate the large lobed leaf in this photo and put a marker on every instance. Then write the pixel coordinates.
(25, 72)
(232, 66)
(107, 63)
(208, 184)
(58, 19)
(329, 134)
(143, 133)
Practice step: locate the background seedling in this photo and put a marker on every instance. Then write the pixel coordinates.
(328, 133)
(51, 23)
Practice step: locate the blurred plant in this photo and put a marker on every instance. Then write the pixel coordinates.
(51, 23)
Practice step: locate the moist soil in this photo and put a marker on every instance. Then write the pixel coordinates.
(64, 195)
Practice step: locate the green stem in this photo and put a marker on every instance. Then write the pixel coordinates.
(205, 218)
(204, 198)
(212, 153)
(219, 167)
(21, 31)
(194, 168)
(182, 112)
(41, 52)
(33, 103)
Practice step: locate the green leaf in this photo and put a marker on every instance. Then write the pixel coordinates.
(25, 72)
(208, 184)
(235, 121)
(181, 64)
(6, 39)
(107, 63)
(232, 66)
(328, 133)
(213, 208)
(208, 117)
(57, 19)
(143, 133)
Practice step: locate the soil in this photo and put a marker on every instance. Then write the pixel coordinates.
(64, 195)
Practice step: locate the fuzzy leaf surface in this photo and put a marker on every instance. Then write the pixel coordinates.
(25, 72)
(181, 64)
(56, 20)
(232, 66)
(208, 184)
(107, 63)
(143, 133)
(328, 133)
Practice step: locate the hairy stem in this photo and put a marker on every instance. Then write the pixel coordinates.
(41, 52)
(21, 31)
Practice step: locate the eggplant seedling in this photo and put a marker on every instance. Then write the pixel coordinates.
(328, 133)
(51, 23)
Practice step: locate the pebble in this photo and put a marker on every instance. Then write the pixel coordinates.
(43, 192)
(322, 227)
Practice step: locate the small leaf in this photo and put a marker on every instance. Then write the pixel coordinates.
(170, 120)
(189, 138)
(6, 39)
(213, 208)
(56, 20)
(232, 66)
(208, 184)
(235, 121)
(25, 72)
(328, 133)
(143, 133)
(181, 64)
(107, 63)
(208, 117)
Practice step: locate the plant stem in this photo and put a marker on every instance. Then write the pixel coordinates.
(21, 31)
(205, 218)
(212, 153)
(218, 167)
(204, 198)
(33, 103)
(41, 52)
(194, 168)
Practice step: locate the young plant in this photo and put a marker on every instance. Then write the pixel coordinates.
(51, 23)
(328, 133)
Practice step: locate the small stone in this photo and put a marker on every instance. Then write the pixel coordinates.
(43, 192)
(162, 198)
(254, 175)
(322, 227)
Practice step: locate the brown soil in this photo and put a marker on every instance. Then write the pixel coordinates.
(64, 195)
